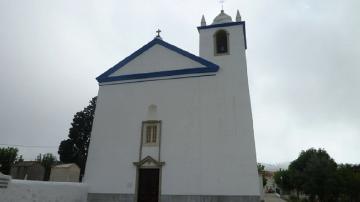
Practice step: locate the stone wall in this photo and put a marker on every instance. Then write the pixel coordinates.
(26, 190)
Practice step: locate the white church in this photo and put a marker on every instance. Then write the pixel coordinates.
(171, 126)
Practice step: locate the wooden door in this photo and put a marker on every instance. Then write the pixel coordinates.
(148, 187)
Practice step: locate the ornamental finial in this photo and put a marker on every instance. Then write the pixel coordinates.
(238, 16)
(203, 22)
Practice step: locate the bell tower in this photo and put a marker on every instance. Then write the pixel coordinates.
(222, 37)
(224, 43)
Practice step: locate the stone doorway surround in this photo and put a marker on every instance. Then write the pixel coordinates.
(147, 163)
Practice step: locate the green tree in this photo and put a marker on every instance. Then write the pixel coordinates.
(75, 148)
(261, 170)
(282, 179)
(47, 160)
(314, 173)
(8, 157)
(349, 182)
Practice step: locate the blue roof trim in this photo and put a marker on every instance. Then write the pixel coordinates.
(157, 79)
(221, 25)
(227, 25)
(208, 66)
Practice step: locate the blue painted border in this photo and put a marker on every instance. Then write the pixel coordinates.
(208, 66)
(228, 24)
(221, 25)
(158, 79)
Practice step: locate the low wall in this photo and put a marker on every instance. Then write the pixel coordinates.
(26, 190)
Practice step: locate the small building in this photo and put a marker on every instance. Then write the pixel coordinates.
(65, 173)
(270, 185)
(28, 170)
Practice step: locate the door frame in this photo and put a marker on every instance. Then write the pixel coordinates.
(138, 178)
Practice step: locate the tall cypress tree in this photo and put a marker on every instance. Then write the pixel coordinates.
(75, 148)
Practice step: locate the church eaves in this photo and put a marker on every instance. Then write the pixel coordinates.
(205, 67)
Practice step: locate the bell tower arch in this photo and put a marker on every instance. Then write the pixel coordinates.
(221, 42)
(223, 37)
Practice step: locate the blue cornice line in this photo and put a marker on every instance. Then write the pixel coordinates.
(221, 25)
(208, 66)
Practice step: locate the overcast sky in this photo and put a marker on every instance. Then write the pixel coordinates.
(303, 63)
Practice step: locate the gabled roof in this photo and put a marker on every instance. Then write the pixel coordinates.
(115, 73)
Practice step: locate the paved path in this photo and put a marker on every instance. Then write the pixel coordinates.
(272, 198)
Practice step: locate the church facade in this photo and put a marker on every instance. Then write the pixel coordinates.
(173, 126)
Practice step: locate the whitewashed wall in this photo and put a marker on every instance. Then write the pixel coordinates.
(207, 133)
(65, 174)
(26, 190)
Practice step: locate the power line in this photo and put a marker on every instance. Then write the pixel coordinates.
(28, 146)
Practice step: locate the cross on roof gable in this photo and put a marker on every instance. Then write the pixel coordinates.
(115, 73)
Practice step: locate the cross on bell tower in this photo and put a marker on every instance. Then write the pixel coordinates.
(222, 4)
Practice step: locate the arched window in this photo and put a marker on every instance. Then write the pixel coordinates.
(221, 42)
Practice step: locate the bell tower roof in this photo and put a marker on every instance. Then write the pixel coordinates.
(222, 18)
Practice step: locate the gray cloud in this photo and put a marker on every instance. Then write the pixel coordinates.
(305, 86)
(303, 63)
